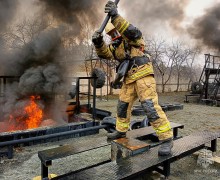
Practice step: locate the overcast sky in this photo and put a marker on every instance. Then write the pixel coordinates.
(196, 7)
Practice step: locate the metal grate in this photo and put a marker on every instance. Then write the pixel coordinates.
(126, 169)
(48, 155)
(67, 150)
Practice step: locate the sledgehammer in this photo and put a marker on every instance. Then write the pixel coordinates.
(101, 29)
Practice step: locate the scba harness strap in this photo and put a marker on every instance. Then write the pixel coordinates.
(138, 61)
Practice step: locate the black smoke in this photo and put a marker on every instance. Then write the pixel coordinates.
(42, 50)
(41, 73)
(41, 80)
(206, 29)
(75, 12)
(152, 15)
(40, 62)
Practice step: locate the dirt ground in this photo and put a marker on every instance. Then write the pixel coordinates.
(195, 117)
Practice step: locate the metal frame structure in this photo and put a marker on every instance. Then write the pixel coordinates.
(140, 164)
(96, 113)
(208, 86)
(3, 80)
(211, 68)
(29, 137)
(47, 156)
(106, 65)
(9, 144)
(88, 94)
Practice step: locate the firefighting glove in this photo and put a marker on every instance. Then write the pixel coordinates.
(97, 39)
(111, 9)
(116, 85)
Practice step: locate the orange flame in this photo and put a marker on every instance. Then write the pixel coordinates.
(34, 113)
(30, 117)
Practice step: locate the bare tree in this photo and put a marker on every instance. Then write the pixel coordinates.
(24, 31)
(172, 60)
(190, 64)
(86, 40)
(183, 62)
(179, 58)
(162, 57)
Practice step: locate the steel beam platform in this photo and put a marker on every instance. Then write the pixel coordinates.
(134, 146)
(191, 95)
(43, 135)
(132, 167)
(149, 133)
(47, 156)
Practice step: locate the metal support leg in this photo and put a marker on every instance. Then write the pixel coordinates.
(213, 145)
(77, 96)
(186, 101)
(166, 168)
(175, 133)
(44, 171)
(94, 101)
(10, 152)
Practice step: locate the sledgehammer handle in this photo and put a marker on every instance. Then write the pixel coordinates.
(101, 29)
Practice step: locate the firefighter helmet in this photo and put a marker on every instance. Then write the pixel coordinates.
(109, 27)
(112, 31)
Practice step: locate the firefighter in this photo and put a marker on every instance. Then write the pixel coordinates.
(138, 83)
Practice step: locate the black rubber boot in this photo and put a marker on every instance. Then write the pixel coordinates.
(116, 135)
(165, 148)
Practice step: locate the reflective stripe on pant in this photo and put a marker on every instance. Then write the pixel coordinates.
(145, 90)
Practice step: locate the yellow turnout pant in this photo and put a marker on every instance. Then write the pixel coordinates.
(145, 90)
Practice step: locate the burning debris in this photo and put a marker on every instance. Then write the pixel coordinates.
(39, 63)
(27, 114)
(40, 76)
(23, 114)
